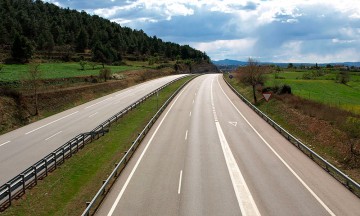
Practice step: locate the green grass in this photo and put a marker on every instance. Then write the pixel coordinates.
(323, 89)
(16, 72)
(145, 64)
(65, 191)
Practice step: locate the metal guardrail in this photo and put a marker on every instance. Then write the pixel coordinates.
(27, 179)
(352, 185)
(92, 206)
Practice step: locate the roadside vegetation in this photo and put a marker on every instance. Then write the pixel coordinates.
(58, 70)
(66, 190)
(316, 106)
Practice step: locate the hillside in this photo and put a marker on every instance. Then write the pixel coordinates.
(36, 29)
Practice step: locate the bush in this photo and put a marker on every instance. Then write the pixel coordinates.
(82, 65)
(307, 76)
(285, 89)
(94, 80)
(105, 73)
(119, 63)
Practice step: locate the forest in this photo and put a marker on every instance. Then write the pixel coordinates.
(34, 28)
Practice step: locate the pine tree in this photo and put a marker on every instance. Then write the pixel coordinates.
(21, 49)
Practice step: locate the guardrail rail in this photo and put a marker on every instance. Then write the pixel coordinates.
(352, 185)
(92, 206)
(27, 179)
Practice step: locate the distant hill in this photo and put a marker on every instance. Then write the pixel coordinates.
(31, 28)
(229, 62)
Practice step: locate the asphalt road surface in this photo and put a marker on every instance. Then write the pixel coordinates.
(25, 146)
(209, 154)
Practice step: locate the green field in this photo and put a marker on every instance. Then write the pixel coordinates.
(322, 89)
(15, 72)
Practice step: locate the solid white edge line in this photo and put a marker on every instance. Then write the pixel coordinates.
(186, 134)
(243, 195)
(140, 158)
(51, 122)
(4, 143)
(53, 135)
(280, 158)
(98, 102)
(180, 178)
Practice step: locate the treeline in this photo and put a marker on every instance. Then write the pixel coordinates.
(28, 27)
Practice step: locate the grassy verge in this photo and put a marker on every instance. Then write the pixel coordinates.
(16, 72)
(322, 128)
(65, 191)
(322, 89)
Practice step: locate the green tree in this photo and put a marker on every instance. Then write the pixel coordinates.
(93, 65)
(21, 49)
(343, 77)
(82, 40)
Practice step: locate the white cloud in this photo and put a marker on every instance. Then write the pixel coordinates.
(272, 30)
(220, 49)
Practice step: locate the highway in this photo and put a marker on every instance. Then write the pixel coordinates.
(209, 154)
(21, 148)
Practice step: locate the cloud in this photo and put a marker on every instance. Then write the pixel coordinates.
(281, 30)
(221, 49)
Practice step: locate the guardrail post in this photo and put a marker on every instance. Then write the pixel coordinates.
(46, 167)
(77, 144)
(54, 155)
(9, 192)
(35, 173)
(116, 173)
(63, 155)
(83, 140)
(23, 182)
(70, 149)
(104, 188)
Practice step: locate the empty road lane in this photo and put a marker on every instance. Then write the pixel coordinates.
(209, 154)
(23, 147)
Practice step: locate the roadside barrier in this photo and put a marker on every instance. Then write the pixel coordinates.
(352, 185)
(92, 206)
(27, 179)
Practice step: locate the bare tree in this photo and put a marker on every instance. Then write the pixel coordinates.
(33, 78)
(252, 74)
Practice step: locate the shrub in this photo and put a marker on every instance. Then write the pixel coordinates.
(118, 63)
(307, 76)
(285, 89)
(105, 73)
(82, 65)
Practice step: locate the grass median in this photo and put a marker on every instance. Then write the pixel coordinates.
(66, 190)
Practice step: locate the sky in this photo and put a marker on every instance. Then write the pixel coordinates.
(314, 31)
